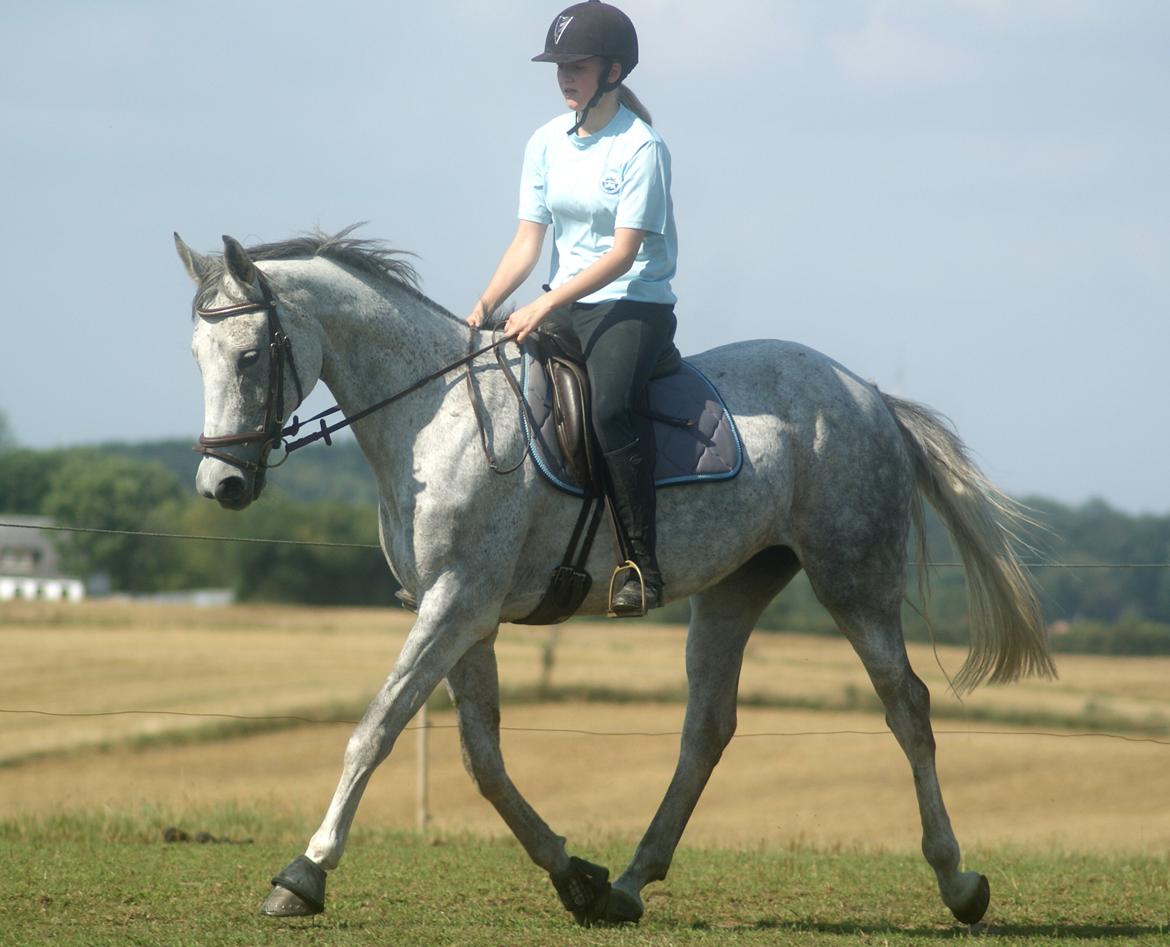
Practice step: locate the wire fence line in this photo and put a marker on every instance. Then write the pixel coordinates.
(148, 534)
(192, 536)
(294, 718)
(334, 721)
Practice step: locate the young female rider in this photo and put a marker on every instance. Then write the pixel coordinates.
(601, 176)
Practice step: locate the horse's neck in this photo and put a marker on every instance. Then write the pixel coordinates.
(377, 340)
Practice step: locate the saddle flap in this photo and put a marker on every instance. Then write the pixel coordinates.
(571, 410)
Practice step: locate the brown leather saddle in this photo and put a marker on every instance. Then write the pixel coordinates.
(567, 401)
(569, 397)
(569, 386)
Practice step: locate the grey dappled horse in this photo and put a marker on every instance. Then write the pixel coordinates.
(831, 483)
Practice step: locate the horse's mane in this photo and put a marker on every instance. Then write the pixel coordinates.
(373, 259)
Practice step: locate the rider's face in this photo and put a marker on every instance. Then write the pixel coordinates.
(578, 81)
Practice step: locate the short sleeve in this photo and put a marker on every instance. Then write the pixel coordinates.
(533, 177)
(644, 203)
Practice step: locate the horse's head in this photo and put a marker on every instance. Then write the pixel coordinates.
(258, 361)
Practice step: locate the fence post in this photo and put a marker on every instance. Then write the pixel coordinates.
(423, 815)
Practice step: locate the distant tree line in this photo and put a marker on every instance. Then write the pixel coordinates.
(1082, 559)
(327, 495)
(123, 489)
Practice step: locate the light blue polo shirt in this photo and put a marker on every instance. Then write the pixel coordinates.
(588, 187)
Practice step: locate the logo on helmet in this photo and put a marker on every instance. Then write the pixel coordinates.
(562, 24)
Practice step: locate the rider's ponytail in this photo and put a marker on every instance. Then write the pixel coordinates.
(627, 98)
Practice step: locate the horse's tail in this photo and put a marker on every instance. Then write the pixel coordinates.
(1008, 638)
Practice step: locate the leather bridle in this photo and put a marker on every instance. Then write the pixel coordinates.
(279, 355)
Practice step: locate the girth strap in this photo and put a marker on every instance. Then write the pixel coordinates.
(570, 583)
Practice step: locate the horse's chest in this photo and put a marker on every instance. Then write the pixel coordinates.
(427, 531)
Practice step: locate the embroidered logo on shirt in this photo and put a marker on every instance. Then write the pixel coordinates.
(611, 184)
(562, 23)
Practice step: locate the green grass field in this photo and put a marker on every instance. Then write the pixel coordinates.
(113, 880)
(807, 833)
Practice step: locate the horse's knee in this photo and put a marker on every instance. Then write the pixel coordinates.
(486, 769)
(364, 749)
(898, 686)
(708, 734)
(491, 783)
(917, 698)
(907, 703)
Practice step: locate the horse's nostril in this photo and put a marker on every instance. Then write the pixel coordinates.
(230, 489)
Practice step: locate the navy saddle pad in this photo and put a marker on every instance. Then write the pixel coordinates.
(707, 450)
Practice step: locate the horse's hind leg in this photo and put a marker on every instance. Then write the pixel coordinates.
(583, 888)
(877, 639)
(474, 687)
(722, 618)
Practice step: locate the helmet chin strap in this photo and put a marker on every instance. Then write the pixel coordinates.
(603, 86)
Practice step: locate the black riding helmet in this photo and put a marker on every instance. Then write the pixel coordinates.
(591, 29)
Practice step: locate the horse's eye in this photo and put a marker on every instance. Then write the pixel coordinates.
(249, 358)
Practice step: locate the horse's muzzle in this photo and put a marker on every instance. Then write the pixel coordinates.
(232, 488)
(233, 493)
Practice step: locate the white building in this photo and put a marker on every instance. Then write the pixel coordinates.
(29, 566)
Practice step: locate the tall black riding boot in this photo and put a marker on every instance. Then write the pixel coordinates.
(631, 478)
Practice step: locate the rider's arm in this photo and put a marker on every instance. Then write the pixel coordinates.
(514, 268)
(603, 271)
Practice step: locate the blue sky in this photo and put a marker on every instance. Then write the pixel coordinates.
(966, 201)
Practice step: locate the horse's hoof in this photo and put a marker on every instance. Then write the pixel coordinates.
(621, 908)
(975, 906)
(298, 891)
(283, 903)
(584, 891)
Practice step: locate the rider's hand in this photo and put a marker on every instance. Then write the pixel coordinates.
(476, 316)
(525, 319)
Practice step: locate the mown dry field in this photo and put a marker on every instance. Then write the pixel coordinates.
(812, 764)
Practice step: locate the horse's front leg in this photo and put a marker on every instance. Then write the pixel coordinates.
(439, 638)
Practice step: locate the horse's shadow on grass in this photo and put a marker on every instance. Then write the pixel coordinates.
(1054, 931)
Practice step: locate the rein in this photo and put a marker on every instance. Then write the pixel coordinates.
(324, 432)
(280, 352)
(471, 395)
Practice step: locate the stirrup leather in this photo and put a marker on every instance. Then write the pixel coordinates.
(628, 566)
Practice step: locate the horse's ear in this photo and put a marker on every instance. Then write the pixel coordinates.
(195, 263)
(238, 266)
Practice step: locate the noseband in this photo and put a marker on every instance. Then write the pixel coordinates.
(279, 354)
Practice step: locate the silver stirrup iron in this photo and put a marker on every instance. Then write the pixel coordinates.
(628, 566)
